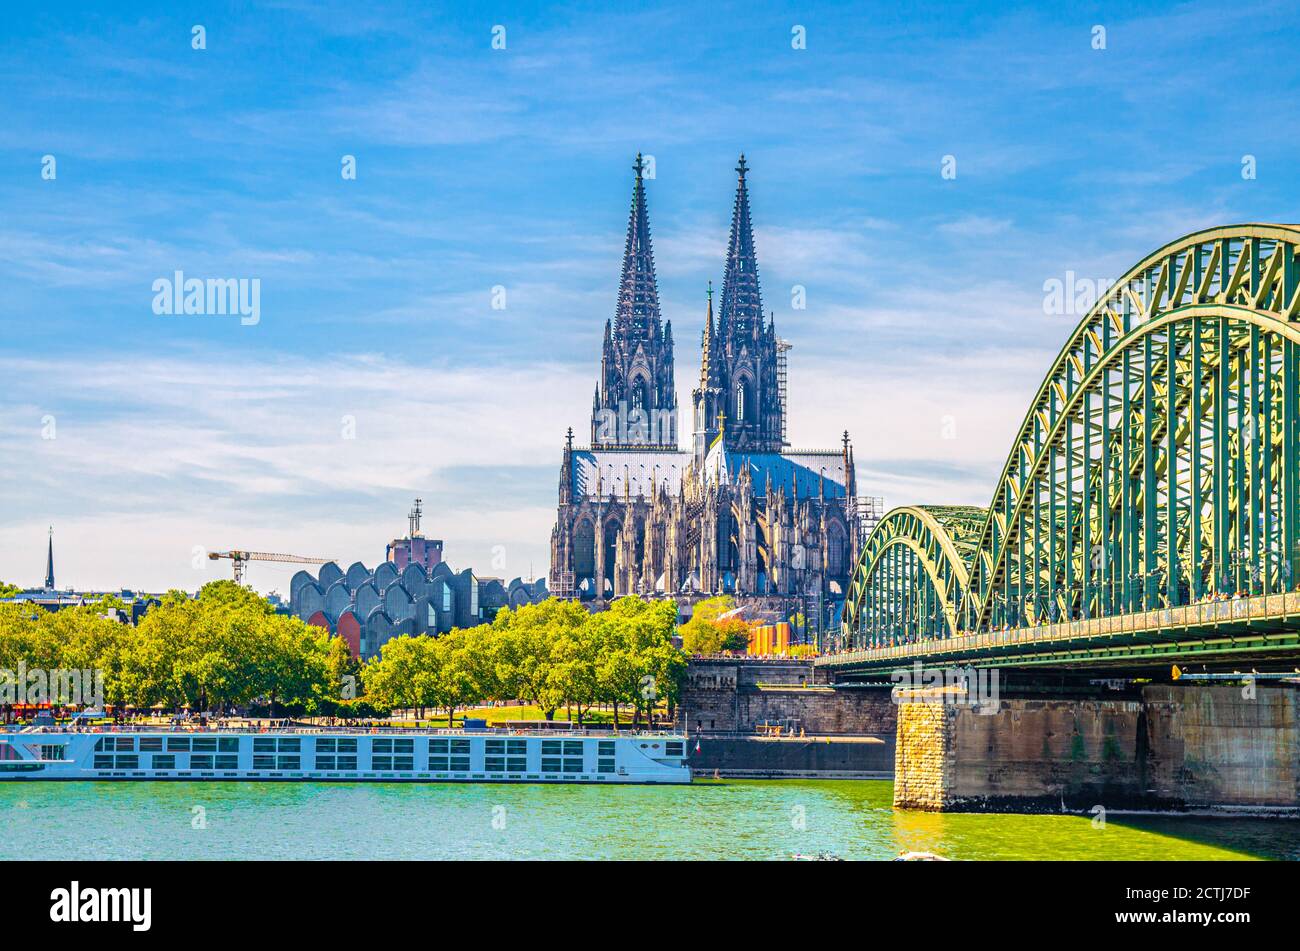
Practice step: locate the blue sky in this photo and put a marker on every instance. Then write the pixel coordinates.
(481, 167)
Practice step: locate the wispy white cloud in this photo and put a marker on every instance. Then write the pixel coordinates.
(271, 444)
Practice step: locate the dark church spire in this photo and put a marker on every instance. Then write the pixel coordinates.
(636, 402)
(49, 563)
(744, 368)
(638, 295)
(708, 369)
(742, 305)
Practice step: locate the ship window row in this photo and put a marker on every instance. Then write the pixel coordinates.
(329, 744)
(207, 761)
(499, 764)
(184, 744)
(674, 749)
(498, 747)
(271, 744)
(392, 762)
(121, 761)
(332, 762)
(553, 764)
(555, 747)
(439, 748)
(276, 762)
(175, 744)
(165, 761)
(457, 764)
(491, 764)
(443, 746)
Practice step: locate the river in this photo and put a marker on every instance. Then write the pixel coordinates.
(707, 820)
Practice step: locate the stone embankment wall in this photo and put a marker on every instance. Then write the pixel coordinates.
(741, 696)
(1175, 747)
(758, 757)
(1224, 745)
(728, 703)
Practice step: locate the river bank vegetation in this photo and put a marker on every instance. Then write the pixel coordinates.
(228, 649)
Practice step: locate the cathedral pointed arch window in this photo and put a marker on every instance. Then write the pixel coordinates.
(584, 550)
(744, 400)
(725, 545)
(837, 555)
(612, 530)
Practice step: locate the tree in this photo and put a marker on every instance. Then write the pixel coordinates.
(638, 666)
(391, 677)
(457, 685)
(576, 654)
(343, 674)
(299, 675)
(480, 654)
(227, 647)
(87, 646)
(708, 633)
(526, 653)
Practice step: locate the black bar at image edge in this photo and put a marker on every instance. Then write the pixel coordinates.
(334, 900)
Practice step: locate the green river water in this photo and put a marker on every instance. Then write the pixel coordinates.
(707, 820)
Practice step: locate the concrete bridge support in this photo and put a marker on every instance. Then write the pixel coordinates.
(1165, 747)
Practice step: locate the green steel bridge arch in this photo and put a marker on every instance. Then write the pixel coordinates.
(930, 546)
(1156, 466)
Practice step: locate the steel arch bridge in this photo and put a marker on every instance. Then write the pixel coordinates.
(1154, 478)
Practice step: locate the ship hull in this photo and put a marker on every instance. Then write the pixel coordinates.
(390, 757)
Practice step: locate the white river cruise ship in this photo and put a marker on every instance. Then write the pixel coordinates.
(336, 755)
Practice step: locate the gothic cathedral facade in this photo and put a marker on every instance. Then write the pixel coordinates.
(738, 512)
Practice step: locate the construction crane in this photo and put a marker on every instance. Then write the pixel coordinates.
(240, 558)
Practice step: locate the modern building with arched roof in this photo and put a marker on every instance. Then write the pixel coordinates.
(367, 607)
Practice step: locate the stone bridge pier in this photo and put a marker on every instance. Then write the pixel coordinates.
(1179, 747)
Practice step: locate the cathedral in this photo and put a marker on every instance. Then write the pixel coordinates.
(737, 512)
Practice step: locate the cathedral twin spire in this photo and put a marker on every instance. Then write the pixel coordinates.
(638, 292)
(636, 403)
(742, 304)
(738, 393)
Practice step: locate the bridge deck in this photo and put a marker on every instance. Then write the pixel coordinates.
(1260, 627)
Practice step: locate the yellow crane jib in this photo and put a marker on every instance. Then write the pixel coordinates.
(238, 559)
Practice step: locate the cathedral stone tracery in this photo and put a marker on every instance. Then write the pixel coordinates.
(738, 512)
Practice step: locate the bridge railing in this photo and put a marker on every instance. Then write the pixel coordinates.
(1205, 614)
